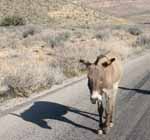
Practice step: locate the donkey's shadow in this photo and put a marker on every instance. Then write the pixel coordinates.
(42, 110)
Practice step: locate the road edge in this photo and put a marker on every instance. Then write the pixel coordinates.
(57, 88)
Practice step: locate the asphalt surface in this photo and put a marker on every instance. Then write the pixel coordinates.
(69, 115)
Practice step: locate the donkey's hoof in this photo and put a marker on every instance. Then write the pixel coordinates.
(111, 125)
(99, 132)
(106, 130)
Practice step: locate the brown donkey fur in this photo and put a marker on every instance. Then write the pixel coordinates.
(104, 76)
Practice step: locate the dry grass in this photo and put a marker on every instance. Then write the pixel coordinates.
(62, 12)
(35, 57)
(26, 71)
(74, 15)
(32, 63)
(12, 21)
(143, 41)
(134, 31)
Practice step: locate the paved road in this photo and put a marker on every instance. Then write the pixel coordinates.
(69, 115)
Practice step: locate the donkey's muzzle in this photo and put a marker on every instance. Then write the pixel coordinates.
(93, 101)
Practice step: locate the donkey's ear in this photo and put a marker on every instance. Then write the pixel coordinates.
(98, 58)
(86, 63)
(109, 62)
(112, 60)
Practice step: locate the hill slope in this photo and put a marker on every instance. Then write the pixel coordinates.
(52, 12)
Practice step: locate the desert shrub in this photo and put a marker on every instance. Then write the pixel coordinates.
(143, 40)
(57, 40)
(6, 92)
(30, 76)
(134, 31)
(70, 67)
(59, 76)
(78, 34)
(12, 20)
(27, 80)
(70, 73)
(68, 58)
(124, 27)
(103, 35)
(118, 27)
(28, 32)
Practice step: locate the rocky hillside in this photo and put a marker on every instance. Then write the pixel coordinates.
(35, 11)
(40, 11)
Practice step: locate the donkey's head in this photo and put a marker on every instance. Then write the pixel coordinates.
(95, 76)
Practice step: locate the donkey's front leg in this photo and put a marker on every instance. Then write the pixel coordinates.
(100, 111)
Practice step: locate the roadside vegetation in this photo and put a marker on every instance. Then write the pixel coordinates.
(34, 57)
(12, 21)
